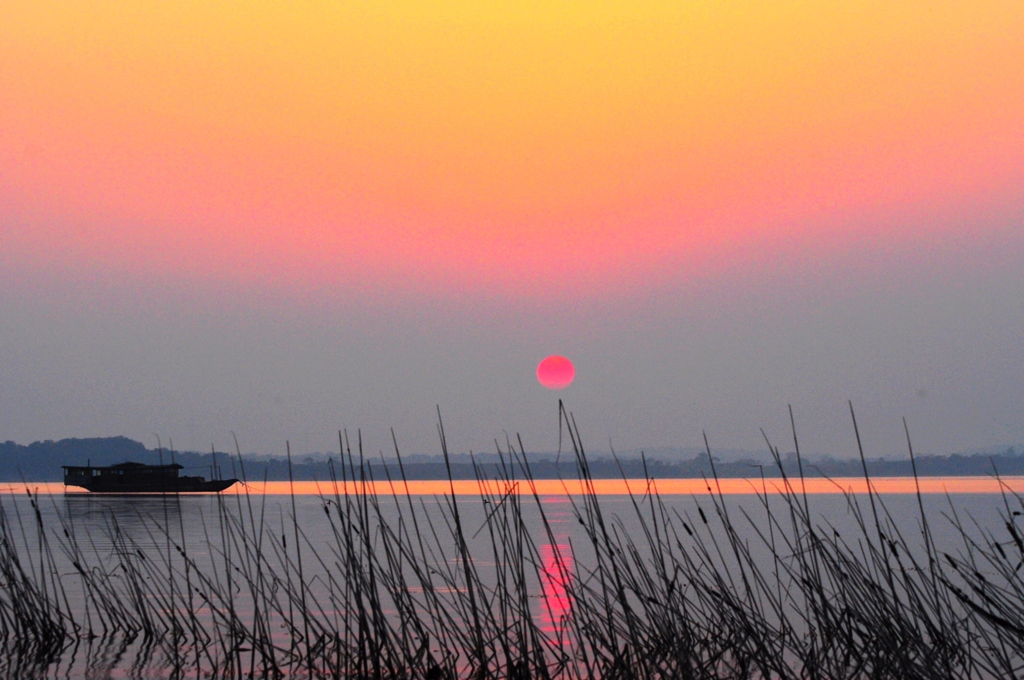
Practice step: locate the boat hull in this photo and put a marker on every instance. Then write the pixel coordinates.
(179, 485)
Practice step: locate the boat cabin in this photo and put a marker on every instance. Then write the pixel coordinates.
(122, 473)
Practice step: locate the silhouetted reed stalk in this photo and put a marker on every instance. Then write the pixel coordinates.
(395, 590)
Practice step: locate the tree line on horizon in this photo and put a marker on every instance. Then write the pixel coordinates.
(41, 462)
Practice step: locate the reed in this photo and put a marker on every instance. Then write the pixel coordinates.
(394, 591)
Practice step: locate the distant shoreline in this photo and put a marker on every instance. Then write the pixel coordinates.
(40, 462)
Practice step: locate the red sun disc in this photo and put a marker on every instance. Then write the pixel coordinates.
(555, 372)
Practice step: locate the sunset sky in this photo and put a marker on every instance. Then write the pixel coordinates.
(281, 219)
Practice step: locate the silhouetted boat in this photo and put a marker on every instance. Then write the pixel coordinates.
(139, 478)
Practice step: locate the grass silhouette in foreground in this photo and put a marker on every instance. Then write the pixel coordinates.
(684, 597)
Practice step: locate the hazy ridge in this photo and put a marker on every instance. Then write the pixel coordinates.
(41, 462)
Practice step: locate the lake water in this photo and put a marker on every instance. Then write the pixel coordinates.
(260, 557)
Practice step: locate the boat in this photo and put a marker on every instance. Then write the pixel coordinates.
(132, 477)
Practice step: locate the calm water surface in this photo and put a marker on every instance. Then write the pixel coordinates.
(153, 523)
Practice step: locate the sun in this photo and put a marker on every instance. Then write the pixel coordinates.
(555, 372)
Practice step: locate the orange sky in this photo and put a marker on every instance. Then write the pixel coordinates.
(526, 148)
